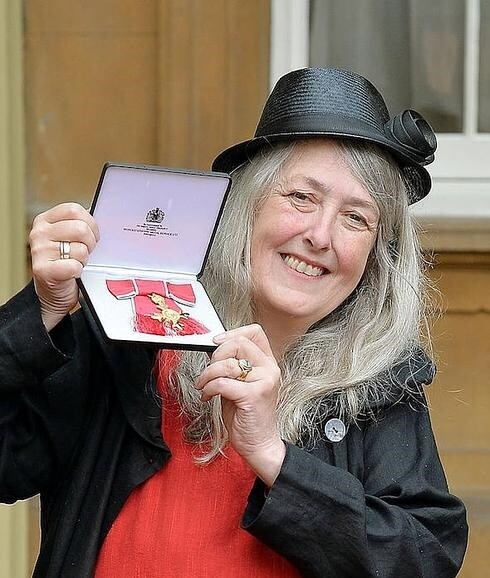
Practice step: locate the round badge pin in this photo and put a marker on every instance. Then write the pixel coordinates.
(335, 430)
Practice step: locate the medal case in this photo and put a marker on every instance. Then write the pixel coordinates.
(142, 280)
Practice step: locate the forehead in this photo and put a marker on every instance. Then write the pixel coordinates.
(316, 156)
(320, 163)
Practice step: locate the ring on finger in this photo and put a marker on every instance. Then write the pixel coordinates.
(65, 250)
(245, 368)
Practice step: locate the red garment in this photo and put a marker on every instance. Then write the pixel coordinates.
(184, 522)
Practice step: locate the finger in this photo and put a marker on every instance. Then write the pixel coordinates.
(258, 390)
(69, 212)
(78, 251)
(242, 347)
(45, 252)
(253, 332)
(50, 251)
(72, 231)
(77, 230)
(52, 272)
(225, 368)
(229, 389)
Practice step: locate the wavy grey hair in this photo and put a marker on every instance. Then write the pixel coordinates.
(336, 364)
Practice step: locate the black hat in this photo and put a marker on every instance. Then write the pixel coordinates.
(316, 102)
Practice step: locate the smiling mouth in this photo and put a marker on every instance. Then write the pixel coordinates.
(302, 267)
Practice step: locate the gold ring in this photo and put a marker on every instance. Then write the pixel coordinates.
(245, 368)
(65, 250)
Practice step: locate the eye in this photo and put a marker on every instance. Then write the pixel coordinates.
(301, 200)
(357, 218)
(358, 221)
(300, 196)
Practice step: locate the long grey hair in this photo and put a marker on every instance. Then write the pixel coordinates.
(336, 364)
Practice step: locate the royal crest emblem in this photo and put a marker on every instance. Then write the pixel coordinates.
(155, 215)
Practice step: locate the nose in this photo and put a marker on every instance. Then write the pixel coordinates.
(319, 231)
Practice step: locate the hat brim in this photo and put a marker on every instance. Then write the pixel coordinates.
(416, 177)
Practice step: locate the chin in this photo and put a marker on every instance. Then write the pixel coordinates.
(302, 315)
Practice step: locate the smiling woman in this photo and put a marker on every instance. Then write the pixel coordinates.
(303, 446)
(319, 215)
(340, 206)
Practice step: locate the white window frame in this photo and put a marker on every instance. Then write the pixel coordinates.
(461, 171)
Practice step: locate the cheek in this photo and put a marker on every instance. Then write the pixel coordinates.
(271, 232)
(257, 254)
(354, 261)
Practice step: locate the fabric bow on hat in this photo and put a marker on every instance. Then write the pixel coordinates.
(412, 132)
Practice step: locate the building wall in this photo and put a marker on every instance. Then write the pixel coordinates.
(173, 82)
(163, 82)
(13, 519)
(460, 396)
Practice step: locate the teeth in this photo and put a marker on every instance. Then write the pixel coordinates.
(302, 267)
(309, 270)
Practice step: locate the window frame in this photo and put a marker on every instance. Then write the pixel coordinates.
(461, 174)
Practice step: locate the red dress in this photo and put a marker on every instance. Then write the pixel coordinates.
(184, 522)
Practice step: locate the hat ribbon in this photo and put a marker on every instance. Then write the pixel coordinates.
(414, 135)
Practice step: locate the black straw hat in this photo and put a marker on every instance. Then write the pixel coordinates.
(316, 102)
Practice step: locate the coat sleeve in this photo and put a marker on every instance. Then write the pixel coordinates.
(43, 395)
(395, 519)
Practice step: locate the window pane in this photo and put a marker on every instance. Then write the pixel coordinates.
(412, 50)
(484, 94)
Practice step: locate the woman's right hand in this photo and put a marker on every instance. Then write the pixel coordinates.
(54, 278)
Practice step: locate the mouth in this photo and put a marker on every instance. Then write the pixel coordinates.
(303, 267)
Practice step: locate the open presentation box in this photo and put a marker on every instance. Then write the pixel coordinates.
(142, 281)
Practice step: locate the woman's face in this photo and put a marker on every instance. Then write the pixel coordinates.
(311, 238)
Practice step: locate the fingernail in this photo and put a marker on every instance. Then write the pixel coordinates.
(219, 338)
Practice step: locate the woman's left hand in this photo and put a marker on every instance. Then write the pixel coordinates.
(249, 405)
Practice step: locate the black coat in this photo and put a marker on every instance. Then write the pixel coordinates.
(80, 424)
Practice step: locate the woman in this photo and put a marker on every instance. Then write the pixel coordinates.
(308, 426)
